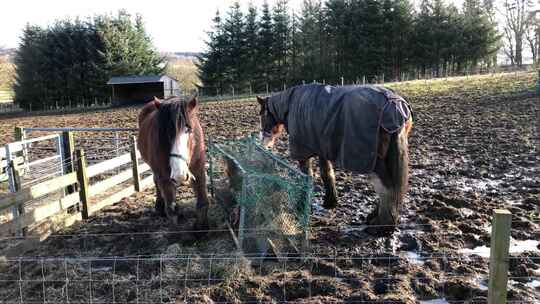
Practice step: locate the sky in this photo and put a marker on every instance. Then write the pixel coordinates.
(174, 25)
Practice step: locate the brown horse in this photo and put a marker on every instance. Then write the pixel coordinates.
(171, 142)
(363, 129)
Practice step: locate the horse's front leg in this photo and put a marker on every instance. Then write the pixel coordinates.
(329, 181)
(160, 204)
(306, 166)
(199, 187)
(167, 191)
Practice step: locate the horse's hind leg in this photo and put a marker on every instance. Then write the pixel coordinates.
(160, 204)
(390, 181)
(329, 180)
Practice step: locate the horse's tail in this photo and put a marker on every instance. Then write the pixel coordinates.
(391, 180)
(398, 161)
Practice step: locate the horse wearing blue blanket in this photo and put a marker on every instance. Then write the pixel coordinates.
(363, 129)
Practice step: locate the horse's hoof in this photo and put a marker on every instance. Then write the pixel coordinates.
(201, 227)
(377, 228)
(174, 219)
(330, 203)
(159, 208)
(372, 217)
(380, 231)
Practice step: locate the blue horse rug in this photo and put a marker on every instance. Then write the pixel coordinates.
(340, 124)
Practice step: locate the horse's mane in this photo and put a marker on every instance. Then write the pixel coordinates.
(170, 111)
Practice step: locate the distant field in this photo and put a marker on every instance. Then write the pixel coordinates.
(7, 73)
(6, 96)
(185, 71)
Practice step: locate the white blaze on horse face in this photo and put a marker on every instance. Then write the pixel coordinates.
(267, 141)
(179, 165)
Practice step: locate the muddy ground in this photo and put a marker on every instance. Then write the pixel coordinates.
(474, 148)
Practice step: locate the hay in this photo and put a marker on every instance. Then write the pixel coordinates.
(264, 193)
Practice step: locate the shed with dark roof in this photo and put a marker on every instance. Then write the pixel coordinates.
(142, 88)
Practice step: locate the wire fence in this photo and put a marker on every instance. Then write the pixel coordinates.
(229, 91)
(180, 272)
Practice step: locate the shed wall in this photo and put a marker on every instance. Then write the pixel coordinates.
(125, 94)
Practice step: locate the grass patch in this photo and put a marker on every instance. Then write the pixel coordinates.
(468, 86)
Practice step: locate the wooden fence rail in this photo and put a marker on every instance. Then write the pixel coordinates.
(89, 196)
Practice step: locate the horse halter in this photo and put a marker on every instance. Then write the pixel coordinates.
(266, 134)
(272, 121)
(178, 156)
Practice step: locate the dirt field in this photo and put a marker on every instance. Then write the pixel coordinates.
(474, 148)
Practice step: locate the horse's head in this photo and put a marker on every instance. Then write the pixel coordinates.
(271, 128)
(175, 122)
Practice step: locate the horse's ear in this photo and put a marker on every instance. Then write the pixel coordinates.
(193, 104)
(262, 101)
(156, 102)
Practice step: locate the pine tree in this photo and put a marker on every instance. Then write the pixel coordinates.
(310, 39)
(337, 20)
(28, 80)
(69, 62)
(127, 48)
(293, 72)
(235, 53)
(355, 38)
(265, 49)
(251, 62)
(480, 34)
(211, 62)
(282, 41)
(398, 23)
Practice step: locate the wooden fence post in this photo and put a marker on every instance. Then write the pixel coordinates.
(20, 136)
(135, 165)
(82, 178)
(68, 150)
(498, 261)
(17, 210)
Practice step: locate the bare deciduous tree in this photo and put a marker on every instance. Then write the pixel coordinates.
(532, 34)
(516, 16)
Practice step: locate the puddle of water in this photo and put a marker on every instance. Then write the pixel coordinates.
(521, 246)
(354, 229)
(482, 251)
(480, 280)
(515, 247)
(318, 209)
(414, 258)
(466, 212)
(533, 284)
(435, 301)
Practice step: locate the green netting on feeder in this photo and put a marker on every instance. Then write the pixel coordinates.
(268, 199)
